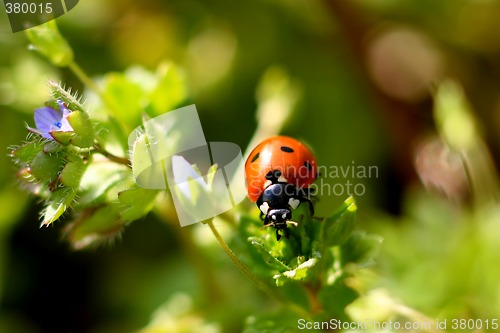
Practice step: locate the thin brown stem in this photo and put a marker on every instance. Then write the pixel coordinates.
(111, 157)
(246, 271)
(312, 294)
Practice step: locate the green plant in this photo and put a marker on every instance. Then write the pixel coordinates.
(77, 161)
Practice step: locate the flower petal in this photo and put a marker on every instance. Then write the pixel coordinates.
(62, 125)
(65, 125)
(65, 111)
(45, 118)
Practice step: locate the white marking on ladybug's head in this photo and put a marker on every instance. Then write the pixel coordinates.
(282, 179)
(284, 216)
(273, 217)
(267, 183)
(264, 208)
(294, 203)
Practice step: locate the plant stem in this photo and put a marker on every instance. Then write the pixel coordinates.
(211, 286)
(83, 77)
(111, 157)
(244, 268)
(312, 294)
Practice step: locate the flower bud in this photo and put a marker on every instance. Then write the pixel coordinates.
(63, 138)
(72, 174)
(82, 126)
(94, 226)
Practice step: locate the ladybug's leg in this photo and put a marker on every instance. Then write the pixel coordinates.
(278, 236)
(309, 194)
(304, 195)
(311, 206)
(287, 233)
(309, 202)
(266, 222)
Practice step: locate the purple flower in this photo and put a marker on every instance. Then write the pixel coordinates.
(48, 120)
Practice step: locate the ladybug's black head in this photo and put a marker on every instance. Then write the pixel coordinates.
(277, 201)
(279, 217)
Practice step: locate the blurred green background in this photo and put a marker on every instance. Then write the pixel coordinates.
(365, 72)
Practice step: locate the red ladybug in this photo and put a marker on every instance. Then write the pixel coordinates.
(279, 172)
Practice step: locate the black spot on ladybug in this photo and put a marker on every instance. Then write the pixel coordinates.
(273, 175)
(287, 149)
(256, 156)
(308, 165)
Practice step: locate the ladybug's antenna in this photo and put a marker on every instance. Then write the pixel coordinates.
(267, 225)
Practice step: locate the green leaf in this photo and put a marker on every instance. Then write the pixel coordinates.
(272, 261)
(53, 147)
(99, 179)
(277, 322)
(337, 228)
(59, 202)
(72, 100)
(72, 173)
(82, 126)
(298, 273)
(47, 40)
(138, 202)
(171, 90)
(361, 248)
(140, 158)
(336, 297)
(26, 153)
(95, 226)
(179, 314)
(127, 99)
(46, 167)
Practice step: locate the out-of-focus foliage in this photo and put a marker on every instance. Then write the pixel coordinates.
(360, 81)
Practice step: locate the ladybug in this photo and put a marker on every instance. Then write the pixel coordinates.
(279, 172)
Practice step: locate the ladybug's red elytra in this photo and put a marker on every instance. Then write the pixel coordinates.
(279, 172)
